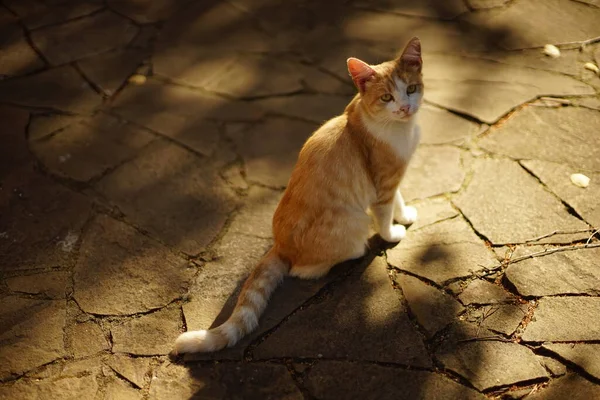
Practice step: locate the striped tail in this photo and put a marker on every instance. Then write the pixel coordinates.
(244, 319)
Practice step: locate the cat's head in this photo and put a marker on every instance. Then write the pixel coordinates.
(393, 90)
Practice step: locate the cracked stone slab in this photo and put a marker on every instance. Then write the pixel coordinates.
(270, 149)
(364, 305)
(433, 170)
(194, 202)
(16, 55)
(570, 62)
(43, 15)
(555, 367)
(317, 108)
(59, 88)
(49, 284)
(117, 389)
(439, 126)
(246, 76)
(585, 355)
(86, 150)
(14, 151)
(503, 318)
(484, 4)
(43, 125)
(135, 370)
(560, 135)
(520, 208)
(488, 90)
(70, 388)
(107, 277)
(40, 221)
(557, 178)
(145, 11)
(532, 23)
(570, 386)
(224, 27)
(569, 272)
(431, 211)
(84, 37)
(442, 251)
(483, 292)
(110, 71)
(181, 113)
(431, 9)
(257, 213)
(462, 330)
(565, 319)
(433, 308)
(33, 334)
(87, 339)
(224, 381)
(335, 379)
(147, 335)
(391, 31)
(490, 364)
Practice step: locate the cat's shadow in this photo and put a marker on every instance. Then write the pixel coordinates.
(296, 291)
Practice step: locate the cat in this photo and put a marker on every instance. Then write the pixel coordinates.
(352, 163)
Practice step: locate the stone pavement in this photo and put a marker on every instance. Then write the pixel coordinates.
(144, 145)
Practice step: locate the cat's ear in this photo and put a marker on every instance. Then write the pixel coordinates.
(360, 72)
(410, 59)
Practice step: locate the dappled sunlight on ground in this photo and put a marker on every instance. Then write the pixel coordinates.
(144, 147)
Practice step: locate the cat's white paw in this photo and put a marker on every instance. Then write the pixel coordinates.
(394, 233)
(408, 216)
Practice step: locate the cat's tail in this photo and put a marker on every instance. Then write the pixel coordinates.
(250, 305)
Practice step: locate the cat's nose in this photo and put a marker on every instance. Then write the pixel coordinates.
(405, 109)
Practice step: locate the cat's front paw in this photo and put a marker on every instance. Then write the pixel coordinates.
(408, 216)
(393, 234)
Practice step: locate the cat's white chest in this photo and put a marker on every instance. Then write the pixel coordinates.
(403, 138)
(404, 143)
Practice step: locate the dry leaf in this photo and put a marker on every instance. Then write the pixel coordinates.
(592, 67)
(580, 180)
(551, 50)
(137, 79)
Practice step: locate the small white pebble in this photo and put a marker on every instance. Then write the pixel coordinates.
(592, 67)
(551, 50)
(580, 180)
(320, 355)
(137, 79)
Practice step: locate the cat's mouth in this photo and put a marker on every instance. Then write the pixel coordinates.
(405, 116)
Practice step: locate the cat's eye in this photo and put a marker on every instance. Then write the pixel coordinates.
(411, 89)
(387, 98)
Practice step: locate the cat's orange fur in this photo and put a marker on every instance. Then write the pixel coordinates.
(353, 162)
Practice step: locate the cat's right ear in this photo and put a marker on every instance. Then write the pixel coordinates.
(360, 72)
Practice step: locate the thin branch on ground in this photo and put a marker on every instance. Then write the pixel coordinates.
(551, 251)
(485, 315)
(592, 236)
(559, 232)
(487, 339)
(490, 271)
(580, 43)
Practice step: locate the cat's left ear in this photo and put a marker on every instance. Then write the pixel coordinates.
(411, 56)
(360, 72)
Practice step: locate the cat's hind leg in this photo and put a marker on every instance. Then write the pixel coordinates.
(317, 271)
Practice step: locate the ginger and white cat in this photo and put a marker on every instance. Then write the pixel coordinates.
(352, 163)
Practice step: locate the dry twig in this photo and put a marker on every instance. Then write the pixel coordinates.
(558, 233)
(580, 43)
